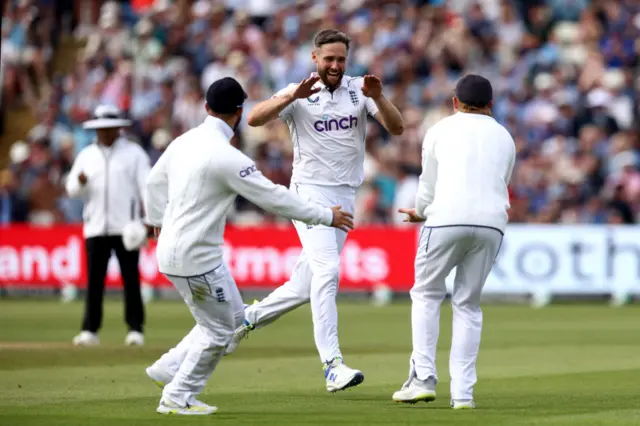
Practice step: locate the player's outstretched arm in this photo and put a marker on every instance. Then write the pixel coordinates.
(271, 109)
(242, 176)
(268, 110)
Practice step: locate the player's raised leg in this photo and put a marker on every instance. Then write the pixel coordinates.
(289, 296)
(297, 291)
(437, 254)
(471, 274)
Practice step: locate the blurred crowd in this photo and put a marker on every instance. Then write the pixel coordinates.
(565, 76)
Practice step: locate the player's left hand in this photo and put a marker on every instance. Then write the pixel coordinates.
(372, 87)
(412, 216)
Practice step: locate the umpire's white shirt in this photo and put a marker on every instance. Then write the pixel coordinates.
(112, 196)
(467, 161)
(191, 188)
(328, 132)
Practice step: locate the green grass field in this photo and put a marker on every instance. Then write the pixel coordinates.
(563, 365)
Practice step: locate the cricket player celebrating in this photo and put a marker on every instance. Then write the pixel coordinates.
(467, 161)
(188, 194)
(326, 115)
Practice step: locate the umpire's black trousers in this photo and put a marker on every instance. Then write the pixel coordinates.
(98, 254)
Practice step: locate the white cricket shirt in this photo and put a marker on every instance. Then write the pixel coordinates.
(467, 161)
(328, 132)
(192, 186)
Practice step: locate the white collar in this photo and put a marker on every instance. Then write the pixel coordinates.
(113, 145)
(215, 123)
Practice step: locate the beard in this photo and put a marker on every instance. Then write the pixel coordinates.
(330, 81)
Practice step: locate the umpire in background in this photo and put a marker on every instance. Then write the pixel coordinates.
(110, 176)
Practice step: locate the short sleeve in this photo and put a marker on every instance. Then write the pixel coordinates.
(370, 105)
(372, 108)
(289, 109)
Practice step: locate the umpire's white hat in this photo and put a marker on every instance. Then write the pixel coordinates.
(107, 117)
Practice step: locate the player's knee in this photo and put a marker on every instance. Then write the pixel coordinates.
(419, 293)
(466, 299)
(218, 337)
(465, 304)
(329, 270)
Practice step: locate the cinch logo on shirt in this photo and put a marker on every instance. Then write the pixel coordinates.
(330, 124)
(246, 172)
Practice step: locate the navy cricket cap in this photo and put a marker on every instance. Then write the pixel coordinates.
(474, 90)
(225, 96)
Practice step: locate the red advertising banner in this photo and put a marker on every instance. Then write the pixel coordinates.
(258, 257)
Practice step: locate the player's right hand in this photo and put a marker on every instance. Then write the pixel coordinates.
(305, 88)
(341, 219)
(82, 178)
(412, 216)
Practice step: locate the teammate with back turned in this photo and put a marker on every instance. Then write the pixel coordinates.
(326, 114)
(188, 195)
(467, 162)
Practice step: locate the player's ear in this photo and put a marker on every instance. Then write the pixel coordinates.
(455, 103)
(314, 55)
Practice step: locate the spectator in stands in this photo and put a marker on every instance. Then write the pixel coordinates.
(13, 208)
(26, 51)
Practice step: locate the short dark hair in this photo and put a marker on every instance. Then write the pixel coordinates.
(329, 36)
(474, 90)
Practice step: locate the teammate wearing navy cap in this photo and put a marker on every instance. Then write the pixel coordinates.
(188, 194)
(467, 161)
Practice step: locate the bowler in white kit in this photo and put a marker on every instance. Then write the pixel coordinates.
(188, 194)
(326, 115)
(467, 161)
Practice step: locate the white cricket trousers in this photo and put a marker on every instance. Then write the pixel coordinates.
(216, 304)
(472, 250)
(315, 275)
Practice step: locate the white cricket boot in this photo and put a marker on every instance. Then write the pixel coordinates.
(340, 377)
(194, 408)
(86, 338)
(134, 338)
(463, 404)
(240, 334)
(159, 376)
(414, 390)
